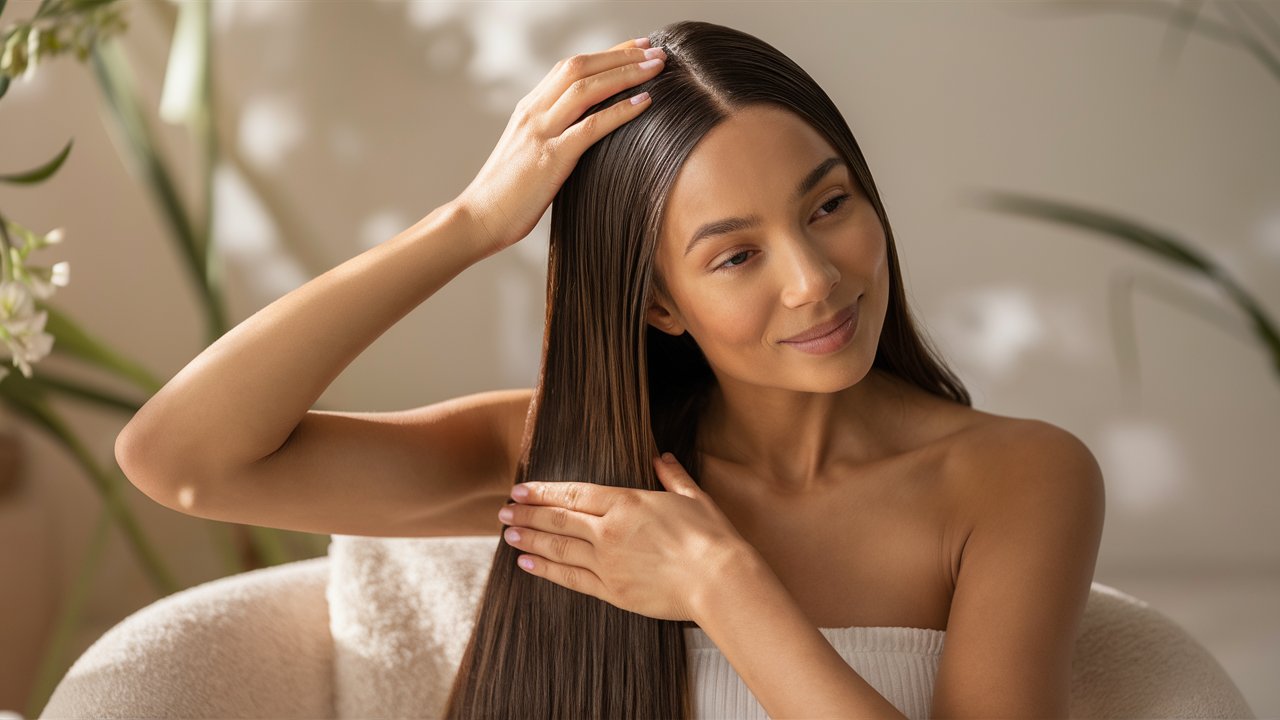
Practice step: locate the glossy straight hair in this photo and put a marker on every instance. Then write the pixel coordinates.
(613, 392)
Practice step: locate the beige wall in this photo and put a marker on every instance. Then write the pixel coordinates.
(354, 119)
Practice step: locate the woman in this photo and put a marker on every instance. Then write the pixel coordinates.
(842, 482)
(833, 495)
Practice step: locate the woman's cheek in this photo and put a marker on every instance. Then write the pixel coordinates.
(733, 319)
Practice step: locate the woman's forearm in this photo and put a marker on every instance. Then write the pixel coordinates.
(240, 398)
(782, 657)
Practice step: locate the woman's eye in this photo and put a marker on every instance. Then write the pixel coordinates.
(839, 201)
(729, 264)
(835, 204)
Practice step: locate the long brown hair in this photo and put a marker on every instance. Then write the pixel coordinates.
(613, 391)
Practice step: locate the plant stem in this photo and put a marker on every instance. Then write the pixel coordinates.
(29, 401)
(142, 155)
(53, 664)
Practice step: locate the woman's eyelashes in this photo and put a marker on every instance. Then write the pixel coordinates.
(839, 200)
(836, 204)
(729, 264)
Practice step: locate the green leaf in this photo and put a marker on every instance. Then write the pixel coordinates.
(73, 341)
(39, 174)
(1157, 242)
(4, 82)
(2, 2)
(82, 5)
(1161, 243)
(146, 162)
(83, 392)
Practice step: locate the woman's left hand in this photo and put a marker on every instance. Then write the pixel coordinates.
(648, 551)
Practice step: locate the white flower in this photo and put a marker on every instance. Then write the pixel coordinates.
(33, 52)
(30, 343)
(44, 281)
(33, 44)
(61, 274)
(22, 328)
(15, 302)
(21, 325)
(12, 57)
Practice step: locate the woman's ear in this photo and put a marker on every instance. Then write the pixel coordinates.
(662, 318)
(662, 312)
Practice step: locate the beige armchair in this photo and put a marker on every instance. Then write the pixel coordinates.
(377, 628)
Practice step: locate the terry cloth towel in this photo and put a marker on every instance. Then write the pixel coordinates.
(899, 662)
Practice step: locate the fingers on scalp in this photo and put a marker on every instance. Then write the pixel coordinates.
(582, 63)
(597, 124)
(586, 75)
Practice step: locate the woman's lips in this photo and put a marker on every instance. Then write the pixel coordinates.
(835, 338)
(825, 328)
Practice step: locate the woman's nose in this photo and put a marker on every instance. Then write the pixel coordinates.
(810, 275)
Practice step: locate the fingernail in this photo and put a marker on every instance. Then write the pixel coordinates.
(642, 41)
(668, 457)
(520, 492)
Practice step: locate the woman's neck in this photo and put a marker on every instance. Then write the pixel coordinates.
(797, 440)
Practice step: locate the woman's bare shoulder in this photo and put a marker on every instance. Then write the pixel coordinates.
(1000, 452)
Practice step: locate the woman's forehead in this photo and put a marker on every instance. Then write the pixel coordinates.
(751, 163)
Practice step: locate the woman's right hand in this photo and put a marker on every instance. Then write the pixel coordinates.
(542, 144)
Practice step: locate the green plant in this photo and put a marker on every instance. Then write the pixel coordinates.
(1142, 236)
(31, 328)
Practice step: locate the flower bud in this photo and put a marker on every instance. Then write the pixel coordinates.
(14, 60)
(33, 45)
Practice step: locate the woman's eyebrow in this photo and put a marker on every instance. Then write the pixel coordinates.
(734, 224)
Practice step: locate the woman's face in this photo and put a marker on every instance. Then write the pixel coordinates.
(809, 257)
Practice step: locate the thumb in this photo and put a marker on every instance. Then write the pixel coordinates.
(673, 477)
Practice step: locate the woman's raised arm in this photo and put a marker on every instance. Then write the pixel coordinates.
(241, 398)
(242, 408)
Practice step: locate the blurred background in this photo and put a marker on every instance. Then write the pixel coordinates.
(339, 124)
